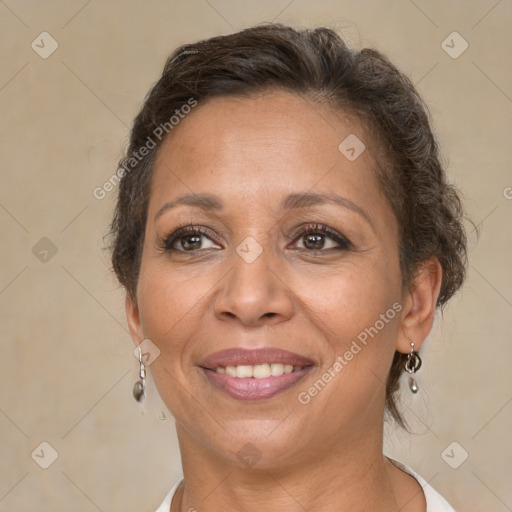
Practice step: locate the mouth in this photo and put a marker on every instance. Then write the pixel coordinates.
(255, 374)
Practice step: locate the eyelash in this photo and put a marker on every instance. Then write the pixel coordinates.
(344, 244)
(168, 240)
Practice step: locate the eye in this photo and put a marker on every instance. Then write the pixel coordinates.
(189, 239)
(318, 237)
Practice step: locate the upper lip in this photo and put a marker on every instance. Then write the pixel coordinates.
(240, 356)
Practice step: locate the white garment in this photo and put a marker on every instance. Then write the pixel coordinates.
(435, 502)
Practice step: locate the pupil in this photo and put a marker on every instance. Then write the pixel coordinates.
(186, 244)
(314, 241)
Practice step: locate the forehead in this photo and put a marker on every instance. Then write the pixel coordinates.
(264, 145)
(275, 117)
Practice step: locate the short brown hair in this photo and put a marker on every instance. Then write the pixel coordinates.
(318, 63)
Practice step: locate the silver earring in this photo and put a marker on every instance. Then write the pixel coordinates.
(412, 365)
(139, 388)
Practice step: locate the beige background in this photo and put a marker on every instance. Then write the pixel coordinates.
(67, 367)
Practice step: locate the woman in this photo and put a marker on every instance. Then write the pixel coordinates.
(285, 232)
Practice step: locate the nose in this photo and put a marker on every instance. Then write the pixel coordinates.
(254, 293)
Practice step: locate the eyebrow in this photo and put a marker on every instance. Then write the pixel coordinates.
(297, 200)
(206, 202)
(303, 200)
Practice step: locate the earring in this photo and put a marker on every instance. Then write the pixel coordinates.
(412, 365)
(139, 388)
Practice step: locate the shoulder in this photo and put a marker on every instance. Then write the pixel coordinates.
(435, 502)
(166, 504)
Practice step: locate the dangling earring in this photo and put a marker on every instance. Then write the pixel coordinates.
(412, 365)
(139, 388)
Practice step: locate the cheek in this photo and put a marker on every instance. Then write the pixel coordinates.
(352, 299)
(171, 308)
(358, 313)
(170, 301)
(359, 316)
(167, 315)
(174, 308)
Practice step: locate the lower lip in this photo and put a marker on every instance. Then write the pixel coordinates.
(255, 389)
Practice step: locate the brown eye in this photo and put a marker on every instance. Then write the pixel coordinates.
(189, 239)
(314, 241)
(315, 238)
(190, 242)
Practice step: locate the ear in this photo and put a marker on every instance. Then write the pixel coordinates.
(133, 319)
(420, 306)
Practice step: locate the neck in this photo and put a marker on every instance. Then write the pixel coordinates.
(350, 475)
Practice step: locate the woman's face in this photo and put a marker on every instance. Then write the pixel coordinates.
(298, 251)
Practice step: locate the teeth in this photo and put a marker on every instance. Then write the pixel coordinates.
(231, 371)
(261, 371)
(244, 371)
(277, 369)
(258, 371)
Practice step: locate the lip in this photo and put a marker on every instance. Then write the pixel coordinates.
(255, 389)
(240, 356)
(252, 388)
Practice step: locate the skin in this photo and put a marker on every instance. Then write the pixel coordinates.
(327, 455)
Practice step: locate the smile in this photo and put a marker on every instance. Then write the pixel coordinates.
(249, 387)
(258, 371)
